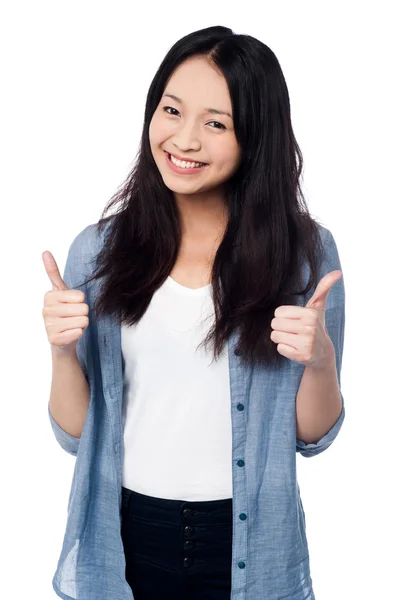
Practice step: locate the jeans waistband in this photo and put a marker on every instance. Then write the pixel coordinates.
(171, 510)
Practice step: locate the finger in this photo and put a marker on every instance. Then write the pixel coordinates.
(289, 325)
(290, 339)
(53, 272)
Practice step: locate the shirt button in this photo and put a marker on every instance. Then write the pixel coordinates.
(116, 447)
(243, 516)
(241, 564)
(240, 406)
(237, 352)
(240, 463)
(188, 561)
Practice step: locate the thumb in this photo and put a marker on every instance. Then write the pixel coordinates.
(319, 298)
(53, 272)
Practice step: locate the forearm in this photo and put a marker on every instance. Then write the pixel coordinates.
(318, 402)
(70, 393)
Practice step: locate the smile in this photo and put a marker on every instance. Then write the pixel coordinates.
(184, 167)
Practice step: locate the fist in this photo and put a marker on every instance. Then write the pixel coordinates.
(65, 312)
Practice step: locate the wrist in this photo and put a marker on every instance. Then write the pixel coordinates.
(63, 353)
(327, 362)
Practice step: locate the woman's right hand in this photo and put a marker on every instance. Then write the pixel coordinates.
(64, 312)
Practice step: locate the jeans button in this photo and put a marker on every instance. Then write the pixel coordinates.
(188, 530)
(187, 512)
(188, 545)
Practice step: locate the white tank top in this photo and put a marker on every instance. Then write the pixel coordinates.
(176, 413)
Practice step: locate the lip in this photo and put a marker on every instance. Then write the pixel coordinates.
(186, 159)
(183, 171)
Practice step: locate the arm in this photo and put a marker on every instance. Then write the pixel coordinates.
(70, 391)
(320, 403)
(69, 400)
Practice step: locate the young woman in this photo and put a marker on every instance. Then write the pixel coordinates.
(213, 349)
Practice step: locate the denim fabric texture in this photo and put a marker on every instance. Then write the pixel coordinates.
(270, 557)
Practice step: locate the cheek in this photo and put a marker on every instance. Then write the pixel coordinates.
(158, 131)
(226, 156)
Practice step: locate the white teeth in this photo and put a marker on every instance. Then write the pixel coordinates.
(183, 164)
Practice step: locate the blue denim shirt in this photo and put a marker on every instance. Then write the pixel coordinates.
(270, 558)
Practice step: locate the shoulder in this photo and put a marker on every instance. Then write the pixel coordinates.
(330, 249)
(325, 234)
(89, 241)
(83, 251)
(329, 260)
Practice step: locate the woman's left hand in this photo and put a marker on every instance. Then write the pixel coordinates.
(300, 332)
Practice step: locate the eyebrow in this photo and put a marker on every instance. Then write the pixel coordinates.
(213, 111)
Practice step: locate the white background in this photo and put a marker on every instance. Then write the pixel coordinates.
(74, 79)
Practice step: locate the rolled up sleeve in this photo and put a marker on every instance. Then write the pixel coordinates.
(68, 442)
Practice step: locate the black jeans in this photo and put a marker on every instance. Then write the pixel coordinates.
(176, 549)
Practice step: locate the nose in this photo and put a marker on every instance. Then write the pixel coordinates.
(187, 138)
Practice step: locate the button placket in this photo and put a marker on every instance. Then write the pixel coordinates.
(189, 531)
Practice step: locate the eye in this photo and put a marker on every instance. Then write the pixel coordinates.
(221, 125)
(165, 109)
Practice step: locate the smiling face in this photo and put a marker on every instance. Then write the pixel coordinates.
(187, 126)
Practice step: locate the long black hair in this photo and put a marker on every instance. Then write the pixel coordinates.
(257, 266)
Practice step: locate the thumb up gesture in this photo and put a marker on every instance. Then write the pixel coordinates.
(300, 331)
(64, 312)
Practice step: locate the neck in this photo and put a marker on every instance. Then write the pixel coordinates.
(202, 216)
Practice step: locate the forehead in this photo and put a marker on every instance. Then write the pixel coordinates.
(198, 83)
